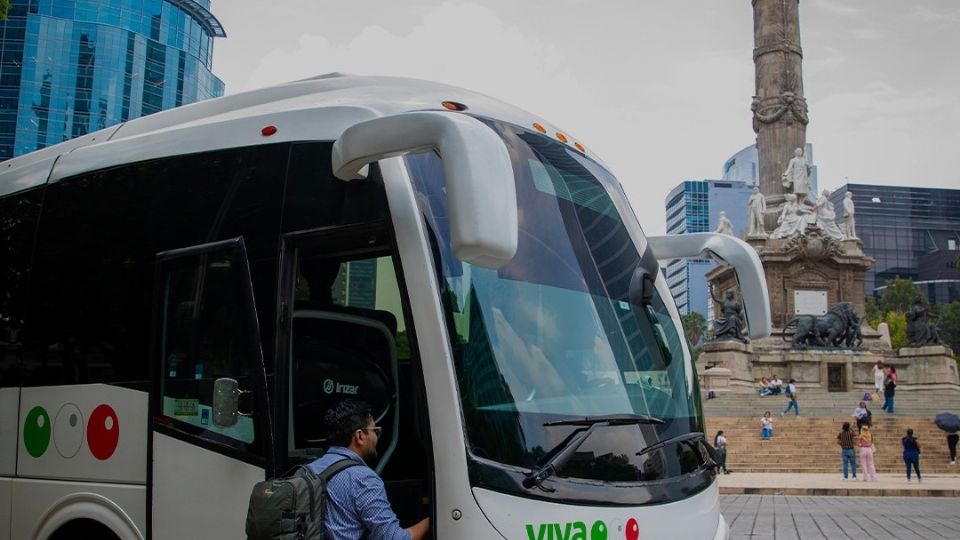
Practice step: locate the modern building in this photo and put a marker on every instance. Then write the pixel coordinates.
(744, 166)
(694, 206)
(911, 232)
(70, 67)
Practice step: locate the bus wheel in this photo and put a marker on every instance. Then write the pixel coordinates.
(84, 529)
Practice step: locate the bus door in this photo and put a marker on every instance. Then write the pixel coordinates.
(345, 334)
(205, 455)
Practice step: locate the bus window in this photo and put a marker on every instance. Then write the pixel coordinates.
(204, 335)
(346, 324)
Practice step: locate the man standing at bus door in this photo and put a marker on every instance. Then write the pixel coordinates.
(357, 505)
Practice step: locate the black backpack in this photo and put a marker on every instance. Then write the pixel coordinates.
(291, 508)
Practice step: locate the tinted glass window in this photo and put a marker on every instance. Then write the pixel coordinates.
(90, 311)
(203, 307)
(18, 221)
(316, 198)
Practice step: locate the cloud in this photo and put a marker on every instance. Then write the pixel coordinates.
(836, 8)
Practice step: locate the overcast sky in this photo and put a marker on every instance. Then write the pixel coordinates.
(659, 89)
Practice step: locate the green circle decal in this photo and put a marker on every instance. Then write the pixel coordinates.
(36, 431)
(598, 531)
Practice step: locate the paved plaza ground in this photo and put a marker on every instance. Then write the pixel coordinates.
(784, 517)
(889, 484)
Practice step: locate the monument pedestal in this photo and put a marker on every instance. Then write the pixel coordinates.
(733, 356)
(927, 368)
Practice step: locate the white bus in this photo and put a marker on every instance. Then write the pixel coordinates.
(474, 273)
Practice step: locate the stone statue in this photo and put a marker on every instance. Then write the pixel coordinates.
(837, 327)
(730, 323)
(724, 225)
(919, 331)
(797, 175)
(827, 217)
(849, 226)
(792, 220)
(756, 206)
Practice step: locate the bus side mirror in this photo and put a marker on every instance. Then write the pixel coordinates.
(731, 251)
(226, 402)
(481, 193)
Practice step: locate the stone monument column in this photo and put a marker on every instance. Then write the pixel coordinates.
(779, 108)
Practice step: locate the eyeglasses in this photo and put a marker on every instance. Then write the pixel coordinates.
(378, 430)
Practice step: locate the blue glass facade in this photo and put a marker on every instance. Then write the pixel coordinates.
(911, 232)
(69, 67)
(695, 206)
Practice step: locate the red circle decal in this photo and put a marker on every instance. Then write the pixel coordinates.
(633, 529)
(103, 432)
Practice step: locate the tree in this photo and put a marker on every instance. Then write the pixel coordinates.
(898, 295)
(949, 325)
(694, 325)
(872, 313)
(4, 8)
(897, 322)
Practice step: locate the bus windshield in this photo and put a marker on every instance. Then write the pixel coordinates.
(552, 336)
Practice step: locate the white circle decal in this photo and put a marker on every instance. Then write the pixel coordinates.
(329, 386)
(68, 430)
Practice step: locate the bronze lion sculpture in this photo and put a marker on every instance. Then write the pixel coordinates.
(832, 329)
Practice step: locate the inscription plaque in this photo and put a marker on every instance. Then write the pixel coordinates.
(809, 302)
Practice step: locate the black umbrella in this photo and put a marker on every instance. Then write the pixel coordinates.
(948, 422)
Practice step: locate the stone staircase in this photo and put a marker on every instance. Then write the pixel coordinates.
(807, 444)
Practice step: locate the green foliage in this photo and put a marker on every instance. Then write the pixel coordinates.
(898, 295)
(949, 325)
(898, 329)
(694, 325)
(873, 314)
(4, 8)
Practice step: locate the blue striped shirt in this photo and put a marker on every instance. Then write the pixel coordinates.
(357, 505)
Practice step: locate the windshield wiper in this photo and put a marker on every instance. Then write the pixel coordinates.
(610, 419)
(561, 453)
(686, 437)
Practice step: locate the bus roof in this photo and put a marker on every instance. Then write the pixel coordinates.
(319, 108)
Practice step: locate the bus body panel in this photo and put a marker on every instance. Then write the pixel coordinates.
(9, 405)
(43, 506)
(234, 132)
(522, 519)
(198, 493)
(90, 432)
(6, 507)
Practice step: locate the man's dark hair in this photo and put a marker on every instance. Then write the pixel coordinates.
(846, 426)
(345, 418)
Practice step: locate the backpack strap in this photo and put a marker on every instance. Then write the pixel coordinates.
(325, 477)
(336, 467)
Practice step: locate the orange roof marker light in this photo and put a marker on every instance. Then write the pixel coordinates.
(562, 137)
(580, 147)
(453, 106)
(539, 128)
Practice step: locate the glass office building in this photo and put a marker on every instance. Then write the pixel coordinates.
(911, 232)
(70, 67)
(695, 206)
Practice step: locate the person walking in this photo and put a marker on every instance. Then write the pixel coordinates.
(878, 376)
(911, 453)
(889, 389)
(792, 398)
(766, 427)
(720, 443)
(846, 439)
(952, 439)
(866, 455)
